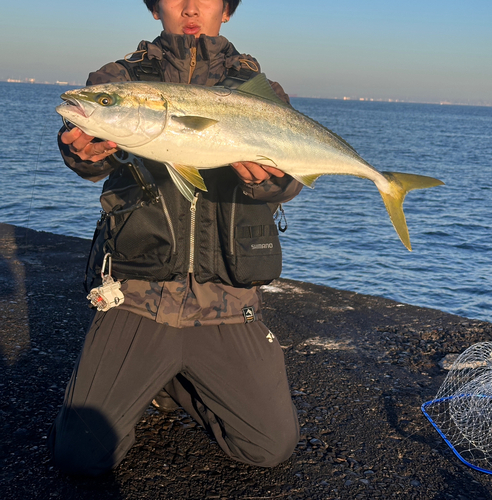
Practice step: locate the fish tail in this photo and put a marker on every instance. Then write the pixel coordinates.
(400, 185)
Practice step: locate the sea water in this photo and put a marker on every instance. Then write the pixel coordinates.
(339, 233)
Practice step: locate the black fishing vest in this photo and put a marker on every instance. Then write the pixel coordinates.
(151, 233)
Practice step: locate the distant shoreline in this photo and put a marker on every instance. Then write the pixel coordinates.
(392, 101)
(32, 81)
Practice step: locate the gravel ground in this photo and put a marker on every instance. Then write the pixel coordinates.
(360, 367)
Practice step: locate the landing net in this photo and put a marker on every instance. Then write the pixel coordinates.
(462, 409)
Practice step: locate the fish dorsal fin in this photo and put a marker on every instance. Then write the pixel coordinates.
(197, 123)
(259, 86)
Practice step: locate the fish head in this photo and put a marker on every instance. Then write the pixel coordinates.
(131, 113)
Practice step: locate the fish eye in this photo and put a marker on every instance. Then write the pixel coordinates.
(104, 100)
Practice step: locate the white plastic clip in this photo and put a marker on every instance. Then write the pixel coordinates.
(108, 295)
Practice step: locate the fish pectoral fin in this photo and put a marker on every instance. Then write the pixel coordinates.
(308, 180)
(197, 123)
(259, 86)
(400, 185)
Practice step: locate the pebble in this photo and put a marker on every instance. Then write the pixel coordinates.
(298, 393)
(447, 362)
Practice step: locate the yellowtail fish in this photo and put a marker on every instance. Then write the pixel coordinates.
(189, 128)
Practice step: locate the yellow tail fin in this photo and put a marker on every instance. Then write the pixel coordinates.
(401, 184)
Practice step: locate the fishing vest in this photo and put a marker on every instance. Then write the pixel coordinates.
(151, 233)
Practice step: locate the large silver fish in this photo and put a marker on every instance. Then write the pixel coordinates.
(189, 128)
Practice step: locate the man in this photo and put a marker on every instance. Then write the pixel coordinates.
(191, 317)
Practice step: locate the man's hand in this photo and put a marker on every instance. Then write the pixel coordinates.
(81, 145)
(255, 173)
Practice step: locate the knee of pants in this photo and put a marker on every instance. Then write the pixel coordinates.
(271, 448)
(80, 449)
(281, 449)
(70, 461)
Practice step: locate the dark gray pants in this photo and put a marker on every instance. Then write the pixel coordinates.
(230, 378)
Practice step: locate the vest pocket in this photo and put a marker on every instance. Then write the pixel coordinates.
(141, 232)
(142, 244)
(248, 241)
(257, 254)
(138, 234)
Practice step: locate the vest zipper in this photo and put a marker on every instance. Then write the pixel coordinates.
(192, 63)
(233, 216)
(192, 233)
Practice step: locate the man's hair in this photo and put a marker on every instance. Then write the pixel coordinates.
(151, 5)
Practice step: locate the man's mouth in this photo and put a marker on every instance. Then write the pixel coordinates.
(191, 29)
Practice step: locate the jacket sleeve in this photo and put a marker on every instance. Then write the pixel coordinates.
(112, 72)
(91, 170)
(276, 189)
(94, 171)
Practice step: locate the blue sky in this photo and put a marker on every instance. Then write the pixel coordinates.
(427, 51)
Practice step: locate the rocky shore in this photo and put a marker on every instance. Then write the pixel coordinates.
(360, 367)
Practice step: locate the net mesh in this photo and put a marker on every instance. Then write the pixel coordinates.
(462, 409)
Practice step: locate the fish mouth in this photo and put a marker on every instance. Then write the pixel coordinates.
(74, 105)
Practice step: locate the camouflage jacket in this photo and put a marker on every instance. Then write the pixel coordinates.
(182, 300)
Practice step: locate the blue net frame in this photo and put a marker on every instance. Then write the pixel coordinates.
(462, 410)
